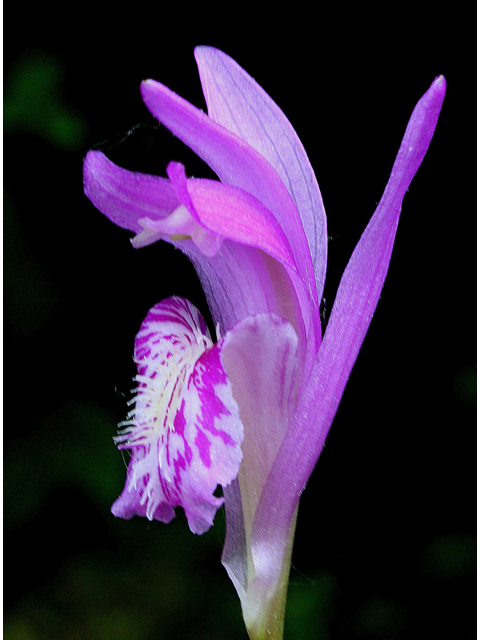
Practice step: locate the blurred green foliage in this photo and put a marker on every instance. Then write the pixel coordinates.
(450, 557)
(381, 618)
(68, 448)
(34, 102)
(311, 606)
(465, 385)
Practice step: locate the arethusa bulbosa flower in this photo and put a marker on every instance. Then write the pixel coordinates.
(251, 411)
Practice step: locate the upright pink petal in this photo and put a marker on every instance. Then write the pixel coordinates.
(352, 313)
(239, 104)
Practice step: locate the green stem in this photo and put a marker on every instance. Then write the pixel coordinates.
(270, 625)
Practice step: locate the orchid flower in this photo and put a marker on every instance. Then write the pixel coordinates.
(251, 410)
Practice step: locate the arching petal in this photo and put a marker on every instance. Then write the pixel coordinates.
(230, 212)
(236, 163)
(243, 257)
(126, 196)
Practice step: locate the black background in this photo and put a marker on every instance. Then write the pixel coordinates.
(385, 543)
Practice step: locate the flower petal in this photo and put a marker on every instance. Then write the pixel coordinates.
(355, 303)
(239, 104)
(231, 213)
(235, 215)
(185, 430)
(236, 163)
(135, 201)
(262, 359)
(126, 196)
(241, 280)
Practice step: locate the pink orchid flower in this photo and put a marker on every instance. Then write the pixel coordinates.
(251, 411)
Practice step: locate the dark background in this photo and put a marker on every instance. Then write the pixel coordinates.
(385, 546)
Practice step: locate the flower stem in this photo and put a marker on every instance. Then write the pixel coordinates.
(270, 625)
